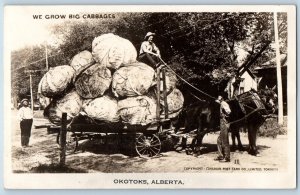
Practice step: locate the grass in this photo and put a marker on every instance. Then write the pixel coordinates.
(271, 128)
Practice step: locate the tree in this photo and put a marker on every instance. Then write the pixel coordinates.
(205, 48)
(30, 58)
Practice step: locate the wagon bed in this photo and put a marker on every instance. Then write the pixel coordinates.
(147, 137)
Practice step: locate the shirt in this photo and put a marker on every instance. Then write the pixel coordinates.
(25, 113)
(147, 46)
(225, 107)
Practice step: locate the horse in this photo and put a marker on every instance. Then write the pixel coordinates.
(269, 98)
(204, 116)
(248, 112)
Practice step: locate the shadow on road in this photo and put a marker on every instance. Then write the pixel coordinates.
(116, 144)
(55, 168)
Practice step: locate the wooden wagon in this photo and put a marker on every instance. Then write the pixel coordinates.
(147, 137)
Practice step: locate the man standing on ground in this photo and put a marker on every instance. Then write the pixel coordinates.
(25, 117)
(223, 139)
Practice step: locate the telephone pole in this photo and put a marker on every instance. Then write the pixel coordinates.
(278, 70)
(31, 83)
(46, 53)
(31, 93)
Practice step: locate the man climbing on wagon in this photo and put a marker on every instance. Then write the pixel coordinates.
(149, 53)
(223, 139)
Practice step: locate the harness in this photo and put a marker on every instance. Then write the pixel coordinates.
(245, 117)
(247, 97)
(243, 97)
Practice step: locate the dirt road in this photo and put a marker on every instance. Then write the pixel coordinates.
(43, 156)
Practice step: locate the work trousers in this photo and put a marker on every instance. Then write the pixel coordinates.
(149, 59)
(223, 140)
(25, 126)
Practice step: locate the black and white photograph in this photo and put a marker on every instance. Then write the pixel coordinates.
(150, 97)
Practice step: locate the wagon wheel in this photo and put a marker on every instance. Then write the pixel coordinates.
(71, 143)
(147, 145)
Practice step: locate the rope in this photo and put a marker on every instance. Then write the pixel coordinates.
(186, 80)
(255, 110)
(196, 97)
(88, 65)
(133, 89)
(246, 116)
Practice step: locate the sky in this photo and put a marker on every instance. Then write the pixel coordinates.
(21, 29)
(26, 31)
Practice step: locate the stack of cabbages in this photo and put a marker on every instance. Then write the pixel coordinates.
(108, 85)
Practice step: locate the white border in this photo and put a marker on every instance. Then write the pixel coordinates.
(277, 180)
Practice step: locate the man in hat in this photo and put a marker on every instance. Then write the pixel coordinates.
(149, 53)
(223, 139)
(25, 117)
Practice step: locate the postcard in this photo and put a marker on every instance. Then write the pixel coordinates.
(150, 97)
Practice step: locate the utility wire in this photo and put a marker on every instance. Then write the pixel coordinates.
(186, 80)
(34, 62)
(169, 32)
(191, 25)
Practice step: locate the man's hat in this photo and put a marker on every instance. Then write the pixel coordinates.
(220, 98)
(23, 100)
(149, 34)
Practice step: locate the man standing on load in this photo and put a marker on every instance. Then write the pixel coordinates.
(223, 139)
(149, 53)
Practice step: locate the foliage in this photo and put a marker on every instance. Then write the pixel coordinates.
(206, 48)
(271, 128)
(20, 79)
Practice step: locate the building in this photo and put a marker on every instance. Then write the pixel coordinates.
(248, 81)
(267, 77)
